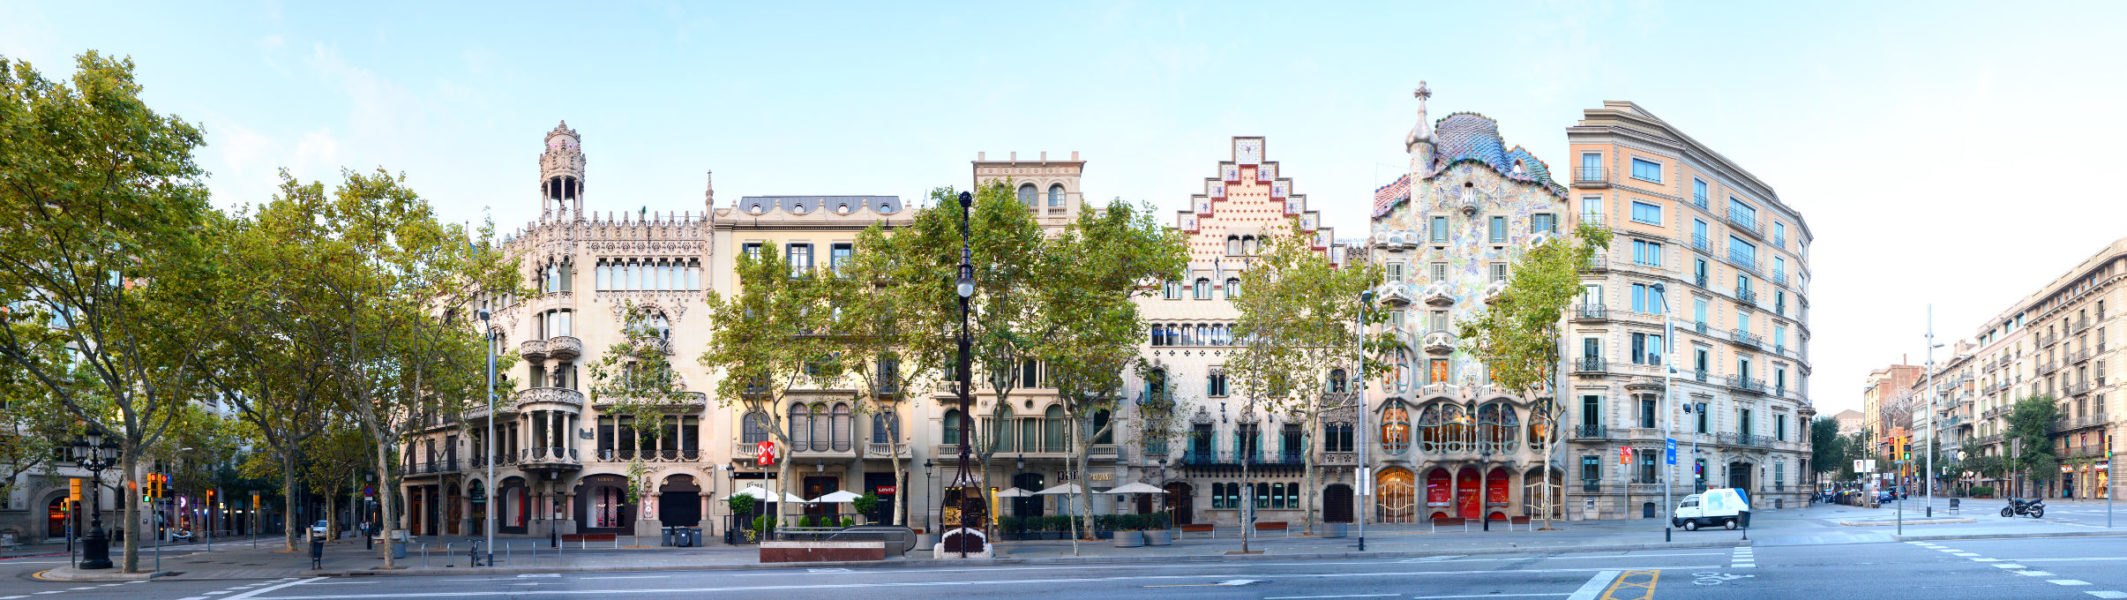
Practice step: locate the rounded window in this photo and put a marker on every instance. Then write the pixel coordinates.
(1395, 430)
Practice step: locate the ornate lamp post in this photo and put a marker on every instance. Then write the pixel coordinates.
(487, 510)
(968, 514)
(95, 453)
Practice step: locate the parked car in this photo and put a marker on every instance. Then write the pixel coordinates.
(318, 529)
(1722, 506)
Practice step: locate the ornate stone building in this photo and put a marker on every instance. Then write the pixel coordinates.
(1197, 454)
(1448, 443)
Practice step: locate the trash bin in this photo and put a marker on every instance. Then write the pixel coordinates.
(317, 552)
(667, 539)
(690, 537)
(1743, 518)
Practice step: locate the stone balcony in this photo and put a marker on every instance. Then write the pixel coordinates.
(549, 395)
(562, 347)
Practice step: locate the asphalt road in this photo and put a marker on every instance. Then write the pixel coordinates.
(1980, 568)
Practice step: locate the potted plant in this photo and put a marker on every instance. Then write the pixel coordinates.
(760, 528)
(1158, 530)
(848, 522)
(865, 504)
(1104, 526)
(1055, 527)
(1129, 530)
(740, 506)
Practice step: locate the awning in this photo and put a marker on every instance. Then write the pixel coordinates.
(841, 497)
(1136, 488)
(755, 492)
(1014, 493)
(1068, 488)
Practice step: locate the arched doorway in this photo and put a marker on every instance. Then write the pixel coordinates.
(55, 518)
(1466, 485)
(1398, 503)
(1739, 476)
(1495, 493)
(1180, 503)
(679, 502)
(476, 494)
(513, 506)
(1439, 493)
(602, 505)
(1337, 503)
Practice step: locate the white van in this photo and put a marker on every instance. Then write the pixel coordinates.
(1723, 507)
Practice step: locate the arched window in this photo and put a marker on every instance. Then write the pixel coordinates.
(822, 429)
(1539, 424)
(1026, 195)
(1497, 427)
(1174, 290)
(1336, 381)
(1233, 287)
(1430, 437)
(694, 274)
(1395, 429)
(1154, 337)
(1054, 426)
(750, 430)
(1233, 245)
(1248, 244)
(841, 427)
(1454, 428)
(951, 435)
(884, 426)
(1203, 289)
(1056, 196)
(1203, 335)
(800, 427)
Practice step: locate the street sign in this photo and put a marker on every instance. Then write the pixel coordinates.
(764, 453)
(1669, 452)
(73, 485)
(1624, 455)
(887, 489)
(369, 490)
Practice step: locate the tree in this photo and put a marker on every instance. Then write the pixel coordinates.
(99, 200)
(765, 342)
(1004, 245)
(639, 387)
(2030, 438)
(1298, 320)
(1087, 323)
(1827, 449)
(880, 336)
(1517, 333)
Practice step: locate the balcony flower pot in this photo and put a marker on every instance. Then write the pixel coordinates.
(1127, 539)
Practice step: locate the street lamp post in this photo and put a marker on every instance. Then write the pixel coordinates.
(964, 480)
(1668, 413)
(1364, 475)
(487, 521)
(1928, 480)
(95, 453)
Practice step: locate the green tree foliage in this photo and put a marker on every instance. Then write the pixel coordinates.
(1827, 449)
(99, 200)
(2030, 438)
(1299, 318)
(636, 383)
(1087, 327)
(883, 336)
(766, 342)
(1517, 333)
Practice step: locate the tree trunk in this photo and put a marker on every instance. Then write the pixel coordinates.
(386, 493)
(899, 508)
(332, 515)
(1307, 477)
(782, 484)
(287, 500)
(131, 496)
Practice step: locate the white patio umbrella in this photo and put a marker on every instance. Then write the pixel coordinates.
(1014, 493)
(1068, 488)
(755, 492)
(1135, 487)
(840, 497)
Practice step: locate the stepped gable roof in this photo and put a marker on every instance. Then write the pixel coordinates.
(1388, 196)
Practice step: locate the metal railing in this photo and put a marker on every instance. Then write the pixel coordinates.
(1589, 364)
(1746, 384)
(1779, 277)
(1598, 262)
(1591, 312)
(2079, 356)
(1698, 240)
(1746, 338)
(1747, 265)
(1746, 296)
(1587, 175)
(1589, 432)
(1750, 224)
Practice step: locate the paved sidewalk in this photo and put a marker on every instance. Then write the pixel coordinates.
(516, 554)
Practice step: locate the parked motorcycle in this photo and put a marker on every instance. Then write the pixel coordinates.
(2035, 507)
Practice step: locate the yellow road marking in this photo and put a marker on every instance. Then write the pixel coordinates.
(1643, 581)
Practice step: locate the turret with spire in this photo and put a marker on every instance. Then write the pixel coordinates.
(1420, 142)
(561, 174)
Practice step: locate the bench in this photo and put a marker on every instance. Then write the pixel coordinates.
(583, 540)
(1438, 522)
(1262, 526)
(1206, 528)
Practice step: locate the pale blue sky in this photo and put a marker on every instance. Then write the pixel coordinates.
(1956, 154)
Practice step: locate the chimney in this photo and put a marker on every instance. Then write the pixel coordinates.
(979, 156)
(1074, 156)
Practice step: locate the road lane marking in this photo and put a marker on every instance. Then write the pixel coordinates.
(2072, 559)
(1630, 581)
(1595, 585)
(1986, 560)
(1480, 596)
(2107, 594)
(256, 592)
(2008, 566)
(1966, 554)
(2067, 582)
(947, 583)
(628, 577)
(1342, 596)
(2034, 573)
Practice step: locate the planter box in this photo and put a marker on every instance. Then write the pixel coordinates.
(781, 552)
(1127, 539)
(1159, 537)
(1103, 535)
(1333, 530)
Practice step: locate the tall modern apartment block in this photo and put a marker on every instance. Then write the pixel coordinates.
(1703, 243)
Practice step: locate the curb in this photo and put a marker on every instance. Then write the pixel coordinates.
(1066, 560)
(1994, 536)
(1911, 522)
(100, 575)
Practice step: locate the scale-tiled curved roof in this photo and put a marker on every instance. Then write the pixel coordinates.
(1473, 137)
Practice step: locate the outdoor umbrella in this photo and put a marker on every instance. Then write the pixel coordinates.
(1137, 488)
(1014, 493)
(757, 493)
(841, 497)
(1067, 488)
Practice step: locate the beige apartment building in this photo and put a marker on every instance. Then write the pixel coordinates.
(1702, 243)
(2057, 343)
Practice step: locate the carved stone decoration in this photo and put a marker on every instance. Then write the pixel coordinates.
(1202, 416)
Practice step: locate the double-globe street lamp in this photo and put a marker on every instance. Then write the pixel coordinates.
(964, 480)
(95, 452)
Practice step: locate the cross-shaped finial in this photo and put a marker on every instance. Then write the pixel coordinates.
(1422, 92)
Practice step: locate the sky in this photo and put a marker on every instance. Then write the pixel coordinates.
(1941, 153)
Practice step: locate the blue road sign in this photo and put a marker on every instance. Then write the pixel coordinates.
(1669, 452)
